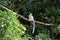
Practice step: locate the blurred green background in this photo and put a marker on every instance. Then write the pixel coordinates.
(13, 27)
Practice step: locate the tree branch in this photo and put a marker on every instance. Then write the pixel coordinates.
(28, 19)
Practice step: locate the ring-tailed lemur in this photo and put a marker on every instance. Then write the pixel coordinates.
(31, 18)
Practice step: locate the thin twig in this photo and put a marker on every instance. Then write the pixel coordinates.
(28, 19)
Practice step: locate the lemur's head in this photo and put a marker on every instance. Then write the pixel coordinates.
(30, 13)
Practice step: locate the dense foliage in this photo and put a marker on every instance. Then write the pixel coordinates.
(10, 28)
(43, 10)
